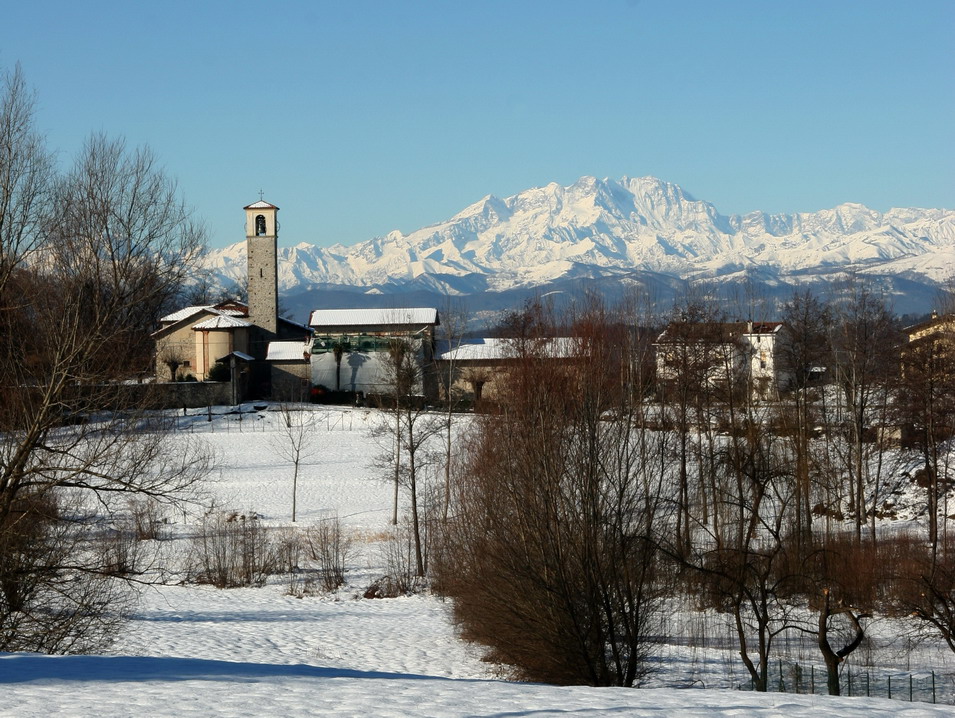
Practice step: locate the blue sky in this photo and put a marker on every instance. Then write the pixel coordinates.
(359, 117)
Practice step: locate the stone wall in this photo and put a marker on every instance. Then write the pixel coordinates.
(191, 394)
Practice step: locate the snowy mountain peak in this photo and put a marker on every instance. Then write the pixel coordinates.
(488, 207)
(605, 227)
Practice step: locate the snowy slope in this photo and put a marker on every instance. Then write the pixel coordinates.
(40, 686)
(597, 227)
(197, 651)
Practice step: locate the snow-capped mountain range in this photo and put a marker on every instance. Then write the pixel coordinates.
(599, 229)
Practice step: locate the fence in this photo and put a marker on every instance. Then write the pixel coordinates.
(792, 677)
(200, 421)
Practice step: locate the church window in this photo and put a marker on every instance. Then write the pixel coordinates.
(259, 225)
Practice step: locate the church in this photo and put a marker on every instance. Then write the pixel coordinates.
(232, 339)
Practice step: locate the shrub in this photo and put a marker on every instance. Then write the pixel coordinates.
(233, 550)
(399, 555)
(331, 548)
(219, 372)
(146, 520)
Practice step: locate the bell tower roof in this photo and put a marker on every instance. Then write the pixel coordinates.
(261, 204)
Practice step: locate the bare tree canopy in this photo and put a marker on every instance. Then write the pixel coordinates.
(89, 259)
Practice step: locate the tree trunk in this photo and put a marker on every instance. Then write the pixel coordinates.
(831, 657)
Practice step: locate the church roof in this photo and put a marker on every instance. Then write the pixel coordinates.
(222, 322)
(261, 204)
(187, 312)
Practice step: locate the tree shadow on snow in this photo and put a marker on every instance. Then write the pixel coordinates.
(21, 668)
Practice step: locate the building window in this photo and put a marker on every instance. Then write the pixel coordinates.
(259, 225)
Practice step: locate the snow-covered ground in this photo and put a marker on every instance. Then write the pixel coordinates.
(199, 651)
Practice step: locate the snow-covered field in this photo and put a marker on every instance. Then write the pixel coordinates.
(199, 651)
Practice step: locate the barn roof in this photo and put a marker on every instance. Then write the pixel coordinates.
(288, 351)
(323, 318)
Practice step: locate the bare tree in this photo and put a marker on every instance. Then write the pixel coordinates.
(865, 346)
(172, 356)
(26, 181)
(804, 357)
(923, 583)
(746, 567)
(203, 289)
(410, 427)
(338, 350)
(477, 378)
(295, 442)
(89, 262)
(834, 657)
(453, 328)
(698, 365)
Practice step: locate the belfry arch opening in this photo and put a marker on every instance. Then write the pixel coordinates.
(260, 225)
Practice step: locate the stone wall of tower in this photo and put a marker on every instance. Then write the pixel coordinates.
(261, 236)
(263, 283)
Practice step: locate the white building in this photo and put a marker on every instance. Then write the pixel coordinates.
(351, 347)
(721, 354)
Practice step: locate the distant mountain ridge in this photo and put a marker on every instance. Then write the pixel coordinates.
(596, 230)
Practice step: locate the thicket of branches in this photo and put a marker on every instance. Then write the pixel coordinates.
(89, 259)
(600, 488)
(549, 554)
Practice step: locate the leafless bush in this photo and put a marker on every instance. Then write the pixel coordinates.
(233, 550)
(303, 586)
(121, 551)
(399, 555)
(331, 547)
(290, 546)
(121, 547)
(923, 584)
(147, 519)
(291, 550)
(70, 610)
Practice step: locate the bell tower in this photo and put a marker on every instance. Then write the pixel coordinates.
(261, 236)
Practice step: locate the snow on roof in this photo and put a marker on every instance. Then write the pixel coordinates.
(941, 321)
(287, 351)
(298, 325)
(187, 312)
(261, 204)
(478, 349)
(495, 349)
(222, 321)
(372, 317)
(764, 327)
